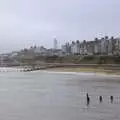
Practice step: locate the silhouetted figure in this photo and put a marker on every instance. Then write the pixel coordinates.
(100, 98)
(87, 95)
(88, 99)
(111, 99)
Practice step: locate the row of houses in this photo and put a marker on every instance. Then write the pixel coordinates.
(102, 46)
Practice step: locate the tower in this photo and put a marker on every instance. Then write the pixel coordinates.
(55, 43)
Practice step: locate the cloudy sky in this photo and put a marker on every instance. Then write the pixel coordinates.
(28, 22)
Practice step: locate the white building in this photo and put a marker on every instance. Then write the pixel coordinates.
(116, 46)
(90, 48)
(110, 47)
(83, 48)
(75, 48)
(55, 43)
(104, 46)
(66, 49)
(97, 46)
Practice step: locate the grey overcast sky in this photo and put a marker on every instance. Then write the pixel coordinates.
(28, 22)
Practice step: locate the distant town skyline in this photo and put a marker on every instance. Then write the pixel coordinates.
(25, 23)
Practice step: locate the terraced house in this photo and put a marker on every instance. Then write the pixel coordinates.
(102, 46)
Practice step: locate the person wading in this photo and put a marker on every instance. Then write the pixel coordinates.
(100, 98)
(88, 99)
(111, 99)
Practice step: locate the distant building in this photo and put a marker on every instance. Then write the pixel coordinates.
(97, 46)
(55, 46)
(53, 52)
(90, 48)
(116, 50)
(103, 46)
(66, 49)
(40, 51)
(110, 46)
(73, 48)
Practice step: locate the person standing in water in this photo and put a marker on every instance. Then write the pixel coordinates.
(88, 99)
(100, 98)
(111, 99)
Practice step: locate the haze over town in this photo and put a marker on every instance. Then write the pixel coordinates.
(25, 23)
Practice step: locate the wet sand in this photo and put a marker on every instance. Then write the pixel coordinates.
(99, 70)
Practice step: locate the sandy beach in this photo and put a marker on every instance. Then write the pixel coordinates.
(99, 70)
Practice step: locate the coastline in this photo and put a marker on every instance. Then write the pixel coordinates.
(67, 70)
(93, 71)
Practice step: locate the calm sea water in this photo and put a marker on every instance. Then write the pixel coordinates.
(54, 96)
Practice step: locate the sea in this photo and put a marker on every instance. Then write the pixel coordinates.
(47, 95)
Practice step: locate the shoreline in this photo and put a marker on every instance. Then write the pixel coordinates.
(69, 70)
(82, 73)
(97, 71)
